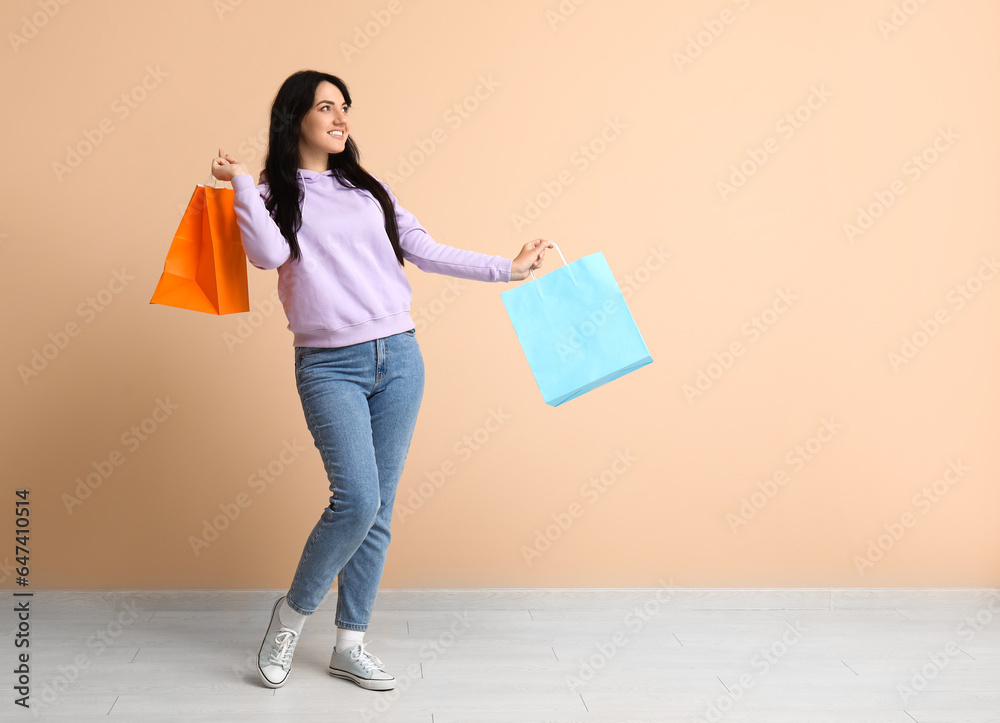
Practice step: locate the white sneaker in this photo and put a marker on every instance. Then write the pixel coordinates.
(360, 666)
(274, 662)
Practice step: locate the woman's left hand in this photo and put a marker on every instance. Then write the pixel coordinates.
(530, 257)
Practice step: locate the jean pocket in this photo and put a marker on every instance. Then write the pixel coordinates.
(305, 353)
(411, 332)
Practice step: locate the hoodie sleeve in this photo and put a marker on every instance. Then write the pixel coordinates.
(263, 243)
(428, 255)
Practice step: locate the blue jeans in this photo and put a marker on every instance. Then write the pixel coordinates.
(360, 403)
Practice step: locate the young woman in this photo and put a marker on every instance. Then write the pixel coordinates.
(339, 237)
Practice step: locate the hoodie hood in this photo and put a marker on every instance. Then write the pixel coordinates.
(308, 177)
(303, 173)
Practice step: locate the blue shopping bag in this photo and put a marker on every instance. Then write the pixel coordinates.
(575, 329)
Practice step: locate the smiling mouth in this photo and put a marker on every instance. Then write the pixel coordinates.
(333, 134)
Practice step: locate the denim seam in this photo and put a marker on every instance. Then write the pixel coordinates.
(333, 483)
(340, 587)
(311, 542)
(375, 365)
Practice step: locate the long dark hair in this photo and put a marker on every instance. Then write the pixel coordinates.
(293, 101)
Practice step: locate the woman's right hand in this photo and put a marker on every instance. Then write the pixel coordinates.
(529, 258)
(225, 167)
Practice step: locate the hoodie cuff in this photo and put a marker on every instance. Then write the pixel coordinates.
(505, 267)
(243, 182)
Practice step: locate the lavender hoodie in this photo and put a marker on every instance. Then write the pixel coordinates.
(348, 286)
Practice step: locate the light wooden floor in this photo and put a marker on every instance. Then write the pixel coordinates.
(511, 655)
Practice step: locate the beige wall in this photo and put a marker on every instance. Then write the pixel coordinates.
(714, 491)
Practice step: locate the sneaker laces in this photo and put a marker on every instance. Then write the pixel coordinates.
(282, 647)
(368, 661)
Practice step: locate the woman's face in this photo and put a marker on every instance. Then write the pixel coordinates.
(325, 126)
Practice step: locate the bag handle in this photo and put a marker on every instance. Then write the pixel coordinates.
(214, 180)
(532, 271)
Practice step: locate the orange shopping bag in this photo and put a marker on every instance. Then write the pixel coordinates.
(206, 267)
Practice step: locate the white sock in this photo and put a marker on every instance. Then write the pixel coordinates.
(348, 639)
(289, 618)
